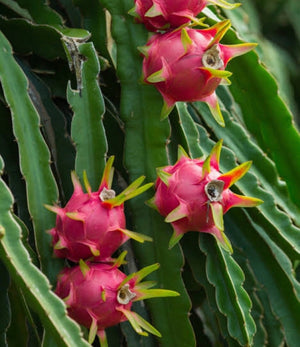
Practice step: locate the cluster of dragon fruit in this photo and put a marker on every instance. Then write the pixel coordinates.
(188, 64)
(88, 231)
(184, 64)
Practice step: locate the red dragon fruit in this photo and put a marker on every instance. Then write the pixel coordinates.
(188, 65)
(92, 224)
(99, 295)
(193, 195)
(165, 14)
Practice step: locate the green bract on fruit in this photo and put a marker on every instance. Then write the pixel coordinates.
(165, 14)
(188, 65)
(193, 195)
(92, 224)
(99, 296)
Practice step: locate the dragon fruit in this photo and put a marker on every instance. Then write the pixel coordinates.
(99, 295)
(188, 65)
(193, 195)
(169, 14)
(92, 224)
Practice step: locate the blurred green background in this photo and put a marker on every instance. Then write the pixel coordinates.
(276, 25)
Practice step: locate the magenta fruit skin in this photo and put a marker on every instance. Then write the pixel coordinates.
(97, 230)
(93, 295)
(170, 13)
(193, 195)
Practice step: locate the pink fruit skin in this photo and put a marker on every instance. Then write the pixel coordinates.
(186, 186)
(92, 225)
(98, 228)
(182, 195)
(170, 13)
(184, 78)
(84, 296)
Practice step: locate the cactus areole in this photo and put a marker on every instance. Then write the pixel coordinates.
(167, 14)
(92, 224)
(193, 195)
(188, 65)
(99, 295)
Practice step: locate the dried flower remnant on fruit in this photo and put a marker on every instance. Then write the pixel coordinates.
(125, 295)
(211, 58)
(107, 194)
(214, 190)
